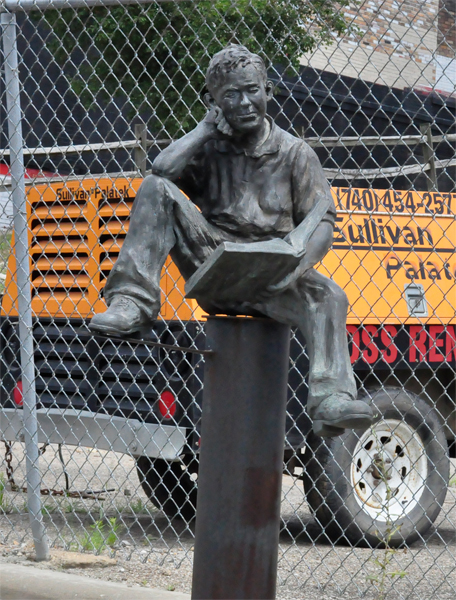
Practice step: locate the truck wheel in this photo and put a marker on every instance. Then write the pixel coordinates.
(384, 485)
(169, 486)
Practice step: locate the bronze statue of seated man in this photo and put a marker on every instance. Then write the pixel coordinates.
(238, 177)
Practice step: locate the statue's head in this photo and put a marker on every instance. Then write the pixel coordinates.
(229, 59)
(237, 83)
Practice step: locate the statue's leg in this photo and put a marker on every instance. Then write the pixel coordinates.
(195, 238)
(162, 217)
(318, 306)
(136, 273)
(322, 319)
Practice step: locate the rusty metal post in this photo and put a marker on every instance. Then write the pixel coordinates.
(241, 462)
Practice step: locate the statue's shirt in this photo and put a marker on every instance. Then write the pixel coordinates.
(259, 194)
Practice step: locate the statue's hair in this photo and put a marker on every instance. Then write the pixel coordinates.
(229, 59)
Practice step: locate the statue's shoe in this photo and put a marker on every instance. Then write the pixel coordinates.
(336, 413)
(122, 318)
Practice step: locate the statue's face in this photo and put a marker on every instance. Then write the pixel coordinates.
(243, 97)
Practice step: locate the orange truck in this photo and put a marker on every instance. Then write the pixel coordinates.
(393, 253)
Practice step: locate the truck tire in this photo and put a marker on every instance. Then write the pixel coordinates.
(169, 486)
(383, 486)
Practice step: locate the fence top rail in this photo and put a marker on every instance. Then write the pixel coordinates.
(29, 5)
(312, 141)
(372, 140)
(78, 148)
(332, 174)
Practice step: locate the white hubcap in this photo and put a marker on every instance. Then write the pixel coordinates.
(389, 470)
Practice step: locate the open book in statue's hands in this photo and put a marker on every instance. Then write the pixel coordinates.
(241, 271)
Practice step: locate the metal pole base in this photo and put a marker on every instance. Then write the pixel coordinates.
(240, 475)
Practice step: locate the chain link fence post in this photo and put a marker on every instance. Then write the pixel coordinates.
(21, 249)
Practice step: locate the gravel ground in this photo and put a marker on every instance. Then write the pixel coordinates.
(152, 551)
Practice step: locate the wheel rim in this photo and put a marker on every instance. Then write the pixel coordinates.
(389, 470)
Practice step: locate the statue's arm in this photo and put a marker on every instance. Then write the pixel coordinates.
(173, 160)
(317, 246)
(314, 215)
(312, 203)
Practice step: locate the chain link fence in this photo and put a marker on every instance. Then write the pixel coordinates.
(370, 86)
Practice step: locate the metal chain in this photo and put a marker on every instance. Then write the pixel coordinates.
(9, 464)
(49, 491)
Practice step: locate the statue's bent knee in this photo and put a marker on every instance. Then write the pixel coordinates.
(153, 185)
(333, 294)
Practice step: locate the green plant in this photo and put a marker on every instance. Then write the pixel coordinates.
(74, 506)
(149, 539)
(171, 588)
(68, 506)
(48, 509)
(6, 505)
(156, 55)
(101, 534)
(5, 250)
(453, 482)
(138, 506)
(2, 488)
(383, 559)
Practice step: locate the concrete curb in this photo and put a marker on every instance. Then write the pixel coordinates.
(30, 583)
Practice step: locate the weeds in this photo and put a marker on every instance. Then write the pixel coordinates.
(383, 560)
(149, 539)
(6, 505)
(138, 506)
(48, 509)
(453, 482)
(101, 535)
(2, 488)
(71, 507)
(5, 249)
(67, 507)
(383, 564)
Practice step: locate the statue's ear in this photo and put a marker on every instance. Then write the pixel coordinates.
(209, 100)
(269, 87)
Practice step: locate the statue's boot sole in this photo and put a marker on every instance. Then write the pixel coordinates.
(111, 331)
(335, 427)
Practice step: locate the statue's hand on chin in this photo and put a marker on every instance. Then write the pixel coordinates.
(222, 129)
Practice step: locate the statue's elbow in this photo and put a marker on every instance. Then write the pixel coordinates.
(322, 239)
(159, 171)
(163, 168)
